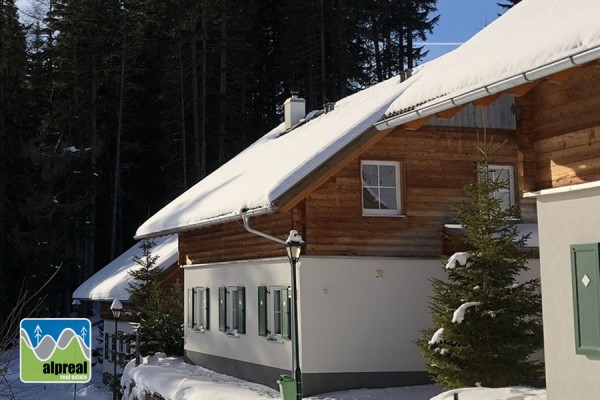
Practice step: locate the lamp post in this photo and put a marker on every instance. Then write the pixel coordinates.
(75, 314)
(116, 308)
(293, 245)
(76, 304)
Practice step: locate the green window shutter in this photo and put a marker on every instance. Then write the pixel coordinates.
(190, 314)
(262, 311)
(206, 307)
(285, 314)
(106, 348)
(222, 309)
(241, 310)
(585, 268)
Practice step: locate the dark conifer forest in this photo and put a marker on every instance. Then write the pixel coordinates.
(109, 109)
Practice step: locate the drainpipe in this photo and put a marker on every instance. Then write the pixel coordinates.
(259, 233)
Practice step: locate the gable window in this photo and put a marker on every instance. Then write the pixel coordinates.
(198, 308)
(504, 174)
(380, 187)
(274, 312)
(232, 310)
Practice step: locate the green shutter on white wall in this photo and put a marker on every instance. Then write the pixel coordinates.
(241, 309)
(190, 313)
(222, 309)
(285, 314)
(585, 268)
(206, 307)
(262, 311)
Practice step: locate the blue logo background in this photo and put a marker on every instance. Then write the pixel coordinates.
(55, 326)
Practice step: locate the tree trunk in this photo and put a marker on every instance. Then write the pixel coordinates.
(223, 84)
(116, 206)
(183, 132)
(195, 107)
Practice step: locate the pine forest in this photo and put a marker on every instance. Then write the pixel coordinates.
(109, 109)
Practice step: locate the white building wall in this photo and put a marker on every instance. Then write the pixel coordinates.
(109, 327)
(247, 347)
(566, 217)
(365, 314)
(356, 314)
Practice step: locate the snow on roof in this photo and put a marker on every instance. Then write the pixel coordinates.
(256, 177)
(112, 281)
(535, 38)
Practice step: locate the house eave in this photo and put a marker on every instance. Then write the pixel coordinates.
(529, 76)
(209, 222)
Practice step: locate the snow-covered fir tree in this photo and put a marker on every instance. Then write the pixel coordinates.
(487, 323)
(158, 309)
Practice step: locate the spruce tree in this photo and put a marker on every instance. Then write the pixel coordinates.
(487, 324)
(157, 309)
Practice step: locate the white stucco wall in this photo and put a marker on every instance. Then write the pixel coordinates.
(356, 314)
(566, 218)
(247, 347)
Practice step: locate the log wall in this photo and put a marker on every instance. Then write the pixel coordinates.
(562, 120)
(230, 241)
(436, 163)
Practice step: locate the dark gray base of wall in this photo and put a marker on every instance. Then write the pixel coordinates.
(311, 383)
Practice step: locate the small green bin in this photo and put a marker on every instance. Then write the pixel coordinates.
(287, 387)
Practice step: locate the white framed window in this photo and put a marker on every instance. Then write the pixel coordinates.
(198, 308)
(506, 175)
(274, 312)
(380, 187)
(232, 310)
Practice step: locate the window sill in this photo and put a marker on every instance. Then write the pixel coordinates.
(385, 215)
(232, 334)
(275, 339)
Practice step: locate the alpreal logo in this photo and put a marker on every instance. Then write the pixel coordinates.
(56, 350)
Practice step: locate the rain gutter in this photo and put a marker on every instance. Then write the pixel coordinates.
(493, 88)
(208, 222)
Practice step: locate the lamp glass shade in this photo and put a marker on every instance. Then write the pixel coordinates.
(293, 250)
(116, 308)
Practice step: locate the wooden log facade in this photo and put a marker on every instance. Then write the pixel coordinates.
(435, 161)
(561, 122)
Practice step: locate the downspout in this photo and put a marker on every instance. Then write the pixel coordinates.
(246, 220)
(493, 88)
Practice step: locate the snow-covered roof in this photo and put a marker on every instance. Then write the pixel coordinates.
(258, 176)
(112, 281)
(534, 39)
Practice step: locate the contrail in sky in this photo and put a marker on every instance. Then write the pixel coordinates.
(437, 43)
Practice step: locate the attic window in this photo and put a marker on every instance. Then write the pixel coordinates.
(380, 188)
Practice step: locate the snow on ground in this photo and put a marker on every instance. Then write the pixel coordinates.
(176, 380)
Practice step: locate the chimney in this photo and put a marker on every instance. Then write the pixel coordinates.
(294, 109)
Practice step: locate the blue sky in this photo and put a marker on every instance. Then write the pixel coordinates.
(459, 20)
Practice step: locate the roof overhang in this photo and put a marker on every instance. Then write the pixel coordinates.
(516, 85)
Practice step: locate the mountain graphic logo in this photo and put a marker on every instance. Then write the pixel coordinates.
(56, 350)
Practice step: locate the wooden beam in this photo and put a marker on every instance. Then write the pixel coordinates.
(561, 77)
(447, 114)
(487, 101)
(416, 124)
(523, 89)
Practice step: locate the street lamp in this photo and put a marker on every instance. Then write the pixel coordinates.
(116, 308)
(293, 245)
(76, 304)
